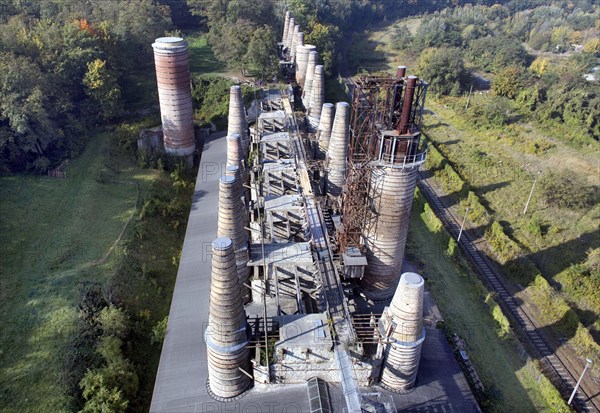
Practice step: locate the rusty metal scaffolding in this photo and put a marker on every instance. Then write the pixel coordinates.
(377, 105)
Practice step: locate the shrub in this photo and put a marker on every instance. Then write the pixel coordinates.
(114, 321)
(496, 311)
(504, 247)
(159, 331)
(493, 112)
(432, 222)
(451, 182)
(477, 212)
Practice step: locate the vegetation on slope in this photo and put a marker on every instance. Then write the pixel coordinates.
(513, 382)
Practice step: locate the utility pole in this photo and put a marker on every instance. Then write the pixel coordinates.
(587, 365)
(469, 98)
(463, 224)
(531, 192)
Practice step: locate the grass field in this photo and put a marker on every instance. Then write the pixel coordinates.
(513, 384)
(202, 59)
(54, 234)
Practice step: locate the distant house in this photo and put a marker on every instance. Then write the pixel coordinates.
(594, 75)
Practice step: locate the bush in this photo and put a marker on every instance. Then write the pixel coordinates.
(451, 182)
(435, 160)
(432, 222)
(114, 321)
(159, 331)
(496, 311)
(508, 82)
(503, 247)
(477, 212)
(493, 112)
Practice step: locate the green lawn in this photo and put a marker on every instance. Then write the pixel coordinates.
(54, 234)
(513, 385)
(202, 59)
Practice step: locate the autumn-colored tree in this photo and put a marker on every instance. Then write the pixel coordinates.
(592, 46)
(102, 87)
(538, 66)
(508, 82)
(561, 38)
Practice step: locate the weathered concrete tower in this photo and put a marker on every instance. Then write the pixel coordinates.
(231, 225)
(313, 58)
(237, 121)
(297, 40)
(317, 98)
(337, 151)
(290, 34)
(302, 54)
(325, 125)
(286, 26)
(175, 95)
(391, 190)
(402, 327)
(234, 171)
(236, 157)
(227, 333)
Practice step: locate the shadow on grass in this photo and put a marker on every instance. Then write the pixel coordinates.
(202, 59)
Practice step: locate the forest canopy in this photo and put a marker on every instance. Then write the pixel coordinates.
(63, 69)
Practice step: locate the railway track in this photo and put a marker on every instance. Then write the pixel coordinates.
(559, 370)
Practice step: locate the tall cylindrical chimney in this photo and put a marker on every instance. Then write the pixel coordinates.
(290, 35)
(175, 95)
(295, 42)
(235, 155)
(231, 224)
(325, 125)
(391, 191)
(411, 84)
(337, 151)
(302, 55)
(234, 171)
(317, 98)
(236, 121)
(286, 25)
(226, 336)
(313, 58)
(404, 318)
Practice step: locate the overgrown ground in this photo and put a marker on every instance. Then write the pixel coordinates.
(54, 235)
(513, 383)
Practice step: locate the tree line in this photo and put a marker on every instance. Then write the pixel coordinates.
(536, 59)
(63, 70)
